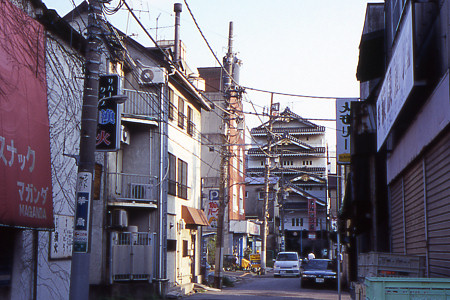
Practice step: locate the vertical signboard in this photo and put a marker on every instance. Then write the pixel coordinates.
(343, 130)
(312, 218)
(212, 209)
(82, 217)
(62, 238)
(399, 78)
(108, 127)
(25, 169)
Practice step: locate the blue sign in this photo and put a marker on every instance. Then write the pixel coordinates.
(213, 194)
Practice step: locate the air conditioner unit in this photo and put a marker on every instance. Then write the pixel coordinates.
(125, 135)
(151, 75)
(119, 218)
(140, 191)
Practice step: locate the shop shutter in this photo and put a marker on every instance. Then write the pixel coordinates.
(414, 210)
(437, 165)
(407, 212)
(397, 224)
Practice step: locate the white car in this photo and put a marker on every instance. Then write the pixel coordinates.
(286, 264)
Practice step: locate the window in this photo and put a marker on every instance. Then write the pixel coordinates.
(178, 172)
(397, 7)
(172, 175)
(182, 179)
(171, 104)
(293, 222)
(246, 195)
(211, 149)
(262, 193)
(185, 248)
(288, 162)
(181, 116)
(190, 121)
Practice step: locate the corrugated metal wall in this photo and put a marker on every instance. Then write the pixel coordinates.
(437, 166)
(397, 220)
(414, 210)
(420, 209)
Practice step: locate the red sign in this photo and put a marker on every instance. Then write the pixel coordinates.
(25, 172)
(312, 219)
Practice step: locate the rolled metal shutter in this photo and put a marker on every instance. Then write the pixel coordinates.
(397, 220)
(414, 210)
(407, 212)
(437, 170)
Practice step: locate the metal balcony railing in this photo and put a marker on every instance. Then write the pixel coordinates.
(141, 103)
(132, 187)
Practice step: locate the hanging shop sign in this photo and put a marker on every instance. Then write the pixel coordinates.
(312, 218)
(82, 213)
(25, 170)
(399, 78)
(108, 126)
(343, 130)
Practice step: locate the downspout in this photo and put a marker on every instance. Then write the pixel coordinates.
(162, 201)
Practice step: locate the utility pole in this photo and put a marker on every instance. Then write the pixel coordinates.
(224, 166)
(266, 193)
(79, 278)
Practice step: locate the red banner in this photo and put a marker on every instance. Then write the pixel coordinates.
(312, 218)
(25, 172)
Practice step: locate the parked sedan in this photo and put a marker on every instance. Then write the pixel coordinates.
(319, 272)
(286, 264)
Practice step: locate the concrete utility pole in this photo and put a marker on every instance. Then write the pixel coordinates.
(266, 192)
(224, 166)
(79, 278)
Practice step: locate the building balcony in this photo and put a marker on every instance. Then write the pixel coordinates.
(317, 151)
(292, 170)
(291, 130)
(132, 190)
(144, 104)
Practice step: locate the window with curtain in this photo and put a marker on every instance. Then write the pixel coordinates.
(182, 179)
(172, 175)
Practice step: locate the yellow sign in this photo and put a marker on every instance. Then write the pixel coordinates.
(345, 157)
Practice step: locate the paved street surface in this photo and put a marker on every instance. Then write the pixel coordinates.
(250, 286)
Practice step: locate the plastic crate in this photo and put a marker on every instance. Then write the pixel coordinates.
(378, 264)
(391, 288)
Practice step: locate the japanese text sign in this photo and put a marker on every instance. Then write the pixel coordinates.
(312, 218)
(25, 170)
(81, 226)
(108, 130)
(343, 130)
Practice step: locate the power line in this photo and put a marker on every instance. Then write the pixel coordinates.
(294, 95)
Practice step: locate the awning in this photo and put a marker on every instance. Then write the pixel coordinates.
(194, 216)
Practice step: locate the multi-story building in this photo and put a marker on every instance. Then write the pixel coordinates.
(299, 159)
(40, 96)
(217, 136)
(146, 215)
(403, 139)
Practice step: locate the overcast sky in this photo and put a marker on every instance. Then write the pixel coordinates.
(302, 47)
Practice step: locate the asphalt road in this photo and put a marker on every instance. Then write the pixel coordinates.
(251, 287)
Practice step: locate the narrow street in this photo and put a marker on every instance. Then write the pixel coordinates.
(251, 286)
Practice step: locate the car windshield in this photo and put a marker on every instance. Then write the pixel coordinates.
(287, 257)
(314, 264)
